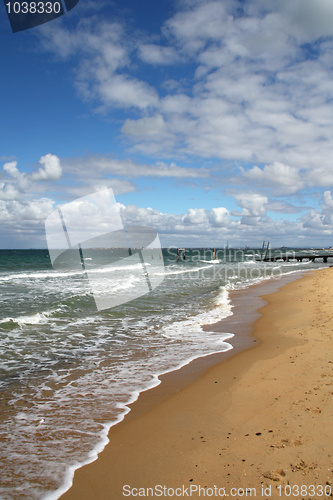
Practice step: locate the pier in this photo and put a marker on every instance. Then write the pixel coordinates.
(299, 258)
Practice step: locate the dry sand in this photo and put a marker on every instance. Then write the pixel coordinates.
(260, 420)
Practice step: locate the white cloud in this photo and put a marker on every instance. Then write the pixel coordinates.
(90, 185)
(157, 54)
(12, 169)
(321, 222)
(309, 20)
(257, 92)
(321, 175)
(313, 221)
(197, 227)
(179, 103)
(283, 178)
(254, 207)
(99, 166)
(327, 210)
(145, 127)
(36, 210)
(22, 222)
(258, 98)
(122, 91)
(193, 26)
(8, 192)
(328, 201)
(216, 217)
(50, 170)
(104, 52)
(195, 216)
(219, 217)
(20, 179)
(21, 186)
(24, 219)
(254, 203)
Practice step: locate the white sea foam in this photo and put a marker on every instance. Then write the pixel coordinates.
(192, 327)
(124, 409)
(42, 275)
(45, 275)
(33, 319)
(212, 261)
(185, 271)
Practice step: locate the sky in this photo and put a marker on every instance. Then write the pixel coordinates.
(212, 121)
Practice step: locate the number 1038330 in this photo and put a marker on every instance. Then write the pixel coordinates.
(316, 491)
(33, 7)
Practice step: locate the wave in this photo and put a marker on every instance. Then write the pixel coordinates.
(42, 275)
(184, 271)
(213, 261)
(33, 319)
(192, 327)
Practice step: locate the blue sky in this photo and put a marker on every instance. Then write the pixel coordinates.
(210, 120)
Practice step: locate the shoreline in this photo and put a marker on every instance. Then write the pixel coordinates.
(149, 403)
(251, 299)
(174, 379)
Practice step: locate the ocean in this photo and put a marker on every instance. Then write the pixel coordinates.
(68, 370)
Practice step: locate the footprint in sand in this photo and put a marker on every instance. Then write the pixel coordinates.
(275, 475)
(286, 442)
(313, 410)
(303, 467)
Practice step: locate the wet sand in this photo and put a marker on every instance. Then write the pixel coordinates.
(261, 419)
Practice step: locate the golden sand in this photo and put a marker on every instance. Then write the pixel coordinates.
(261, 420)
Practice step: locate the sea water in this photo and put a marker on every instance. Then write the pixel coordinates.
(67, 371)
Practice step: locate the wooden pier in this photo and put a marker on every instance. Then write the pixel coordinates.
(299, 258)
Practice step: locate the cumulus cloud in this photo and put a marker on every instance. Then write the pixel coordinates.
(219, 217)
(195, 216)
(258, 93)
(50, 170)
(8, 191)
(283, 178)
(19, 187)
(328, 201)
(20, 180)
(102, 73)
(12, 169)
(320, 175)
(202, 227)
(36, 210)
(257, 98)
(252, 203)
(22, 222)
(254, 207)
(22, 219)
(216, 217)
(327, 210)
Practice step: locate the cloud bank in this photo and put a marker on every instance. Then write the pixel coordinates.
(234, 96)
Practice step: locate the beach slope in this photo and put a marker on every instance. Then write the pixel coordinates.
(260, 420)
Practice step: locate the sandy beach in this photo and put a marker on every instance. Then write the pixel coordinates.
(258, 424)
